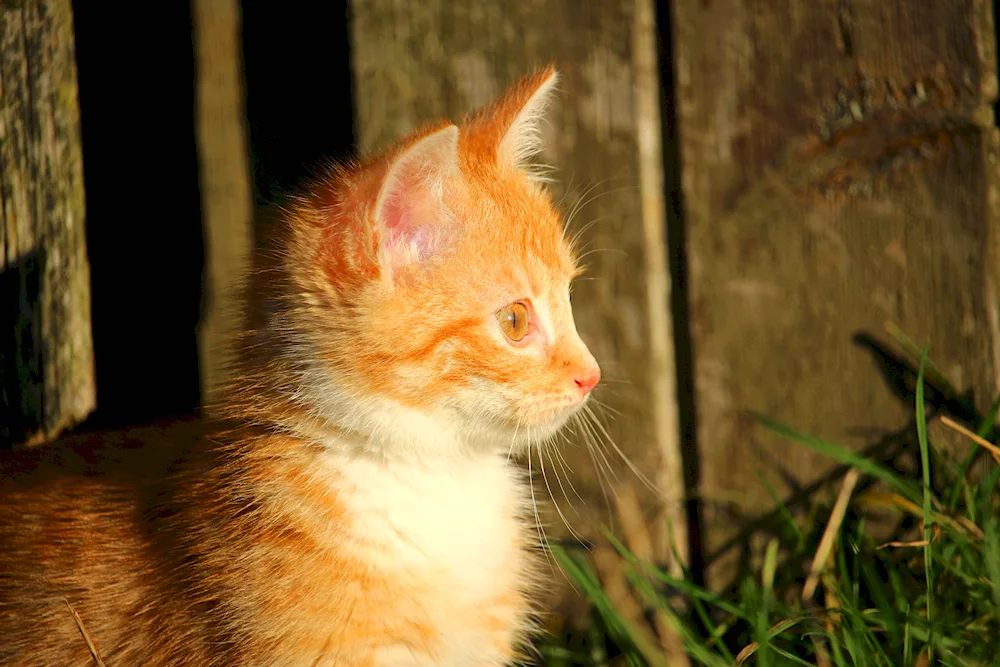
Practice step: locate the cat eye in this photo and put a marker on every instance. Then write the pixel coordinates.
(513, 321)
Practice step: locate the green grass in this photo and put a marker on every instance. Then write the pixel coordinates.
(930, 598)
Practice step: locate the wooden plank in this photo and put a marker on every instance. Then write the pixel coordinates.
(46, 352)
(224, 176)
(838, 159)
(414, 62)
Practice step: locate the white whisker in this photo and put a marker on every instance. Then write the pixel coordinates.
(586, 198)
(604, 406)
(513, 441)
(591, 251)
(559, 460)
(555, 503)
(598, 470)
(635, 470)
(542, 538)
(594, 441)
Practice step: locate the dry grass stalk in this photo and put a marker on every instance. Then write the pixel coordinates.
(830, 534)
(914, 543)
(609, 568)
(641, 545)
(608, 564)
(86, 636)
(982, 442)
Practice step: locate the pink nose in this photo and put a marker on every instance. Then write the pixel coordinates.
(588, 380)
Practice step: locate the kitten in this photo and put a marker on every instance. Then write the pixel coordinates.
(351, 503)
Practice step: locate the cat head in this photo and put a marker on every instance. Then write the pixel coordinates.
(430, 300)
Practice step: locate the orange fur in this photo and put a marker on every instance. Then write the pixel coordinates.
(349, 503)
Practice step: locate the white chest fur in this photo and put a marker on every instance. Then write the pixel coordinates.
(453, 529)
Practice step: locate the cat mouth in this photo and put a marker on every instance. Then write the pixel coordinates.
(551, 415)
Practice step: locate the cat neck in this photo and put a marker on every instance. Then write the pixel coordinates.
(386, 430)
(375, 427)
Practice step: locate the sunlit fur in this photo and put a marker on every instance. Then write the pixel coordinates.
(352, 501)
(415, 361)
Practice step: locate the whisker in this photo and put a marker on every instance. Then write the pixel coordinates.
(575, 239)
(555, 503)
(605, 406)
(542, 537)
(559, 460)
(598, 470)
(513, 440)
(617, 251)
(586, 198)
(594, 441)
(583, 199)
(605, 380)
(635, 470)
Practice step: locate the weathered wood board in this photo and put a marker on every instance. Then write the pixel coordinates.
(224, 176)
(839, 171)
(46, 347)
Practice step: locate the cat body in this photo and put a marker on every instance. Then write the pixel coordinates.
(312, 557)
(352, 500)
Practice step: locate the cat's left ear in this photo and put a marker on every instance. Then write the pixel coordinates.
(411, 217)
(510, 127)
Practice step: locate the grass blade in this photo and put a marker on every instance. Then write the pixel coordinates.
(845, 456)
(928, 519)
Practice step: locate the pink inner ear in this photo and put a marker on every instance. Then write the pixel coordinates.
(409, 217)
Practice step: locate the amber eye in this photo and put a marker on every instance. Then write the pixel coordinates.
(513, 320)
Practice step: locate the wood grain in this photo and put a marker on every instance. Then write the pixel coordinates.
(224, 176)
(46, 352)
(838, 172)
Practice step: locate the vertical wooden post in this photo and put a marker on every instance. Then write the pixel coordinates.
(224, 174)
(46, 350)
(661, 370)
(413, 62)
(839, 171)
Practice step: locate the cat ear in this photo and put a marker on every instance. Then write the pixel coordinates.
(511, 125)
(528, 101)
(411, 217)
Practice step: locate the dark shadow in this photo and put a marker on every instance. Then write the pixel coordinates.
(144, 235)
(996, 36)
(680, 307)
(143, 221)
(900, 375)
(20, 351)
(298, 82)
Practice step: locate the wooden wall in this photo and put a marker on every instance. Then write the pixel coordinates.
(839, 171)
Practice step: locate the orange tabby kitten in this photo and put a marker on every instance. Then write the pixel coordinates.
(351, 503)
